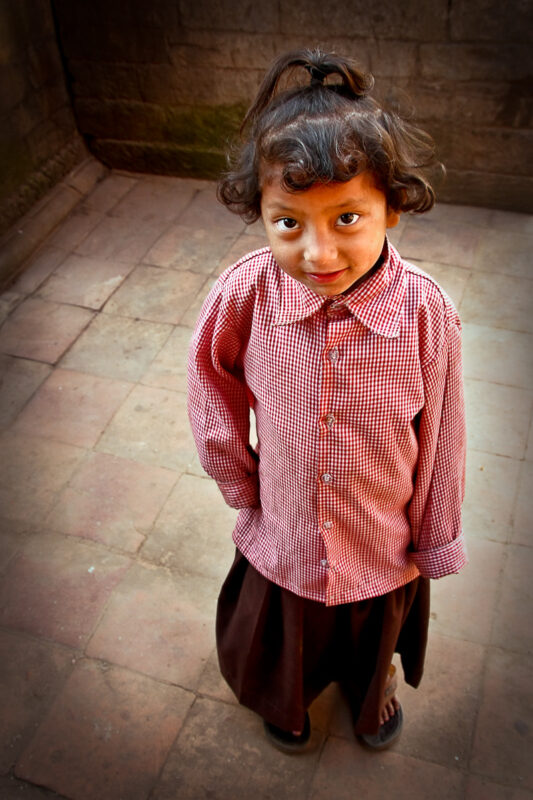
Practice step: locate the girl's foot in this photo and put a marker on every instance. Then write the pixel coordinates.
(391, 717)
(288, 741)
(391, 704)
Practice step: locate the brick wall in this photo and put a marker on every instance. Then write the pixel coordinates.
(160, 86)
(39, 142)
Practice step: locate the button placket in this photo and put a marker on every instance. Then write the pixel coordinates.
(327, 421)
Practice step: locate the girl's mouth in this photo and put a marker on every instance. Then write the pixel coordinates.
(325, 277)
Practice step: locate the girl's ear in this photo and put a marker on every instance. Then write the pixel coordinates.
(393, 218)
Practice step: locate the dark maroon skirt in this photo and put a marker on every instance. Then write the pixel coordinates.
(278, 651)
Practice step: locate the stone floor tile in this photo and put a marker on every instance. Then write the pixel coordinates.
(42, 331)
(512, 622)
(511, 221)
(155, 294)
(452, 279)
(72, 407)
(506, 252)
(13, 536)
(121, 239)
(440, 241)
(31, 462)
(151, 427)
(112, 501)
(169, 369)
(12, 789)
(498, 355)
(212, 684)
(346, 771)
(503, 741)
(242, 246)
(236, 759)
(31, 674)
(192, 534)
(19, 505)
(84, 281)
(86, 175)
(482, 302)
(523, 516)
(440, 715)
(497, 418)
(108, 192)
(72, 231)
(491, 487)
(463, 605)
(205, 211)
(8, 303)
(107, 735)
(340, 718)
(186, 247)
(160, 625)
(19, 379)
(57, 588)
(37, 269)
(118, 348)
(191, 315)
(153, 200)
(483, 789)
(444, 213)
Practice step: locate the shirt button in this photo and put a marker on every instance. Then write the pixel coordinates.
(330, 421)
(324, 562)
(333, 355)
(327, 478)
(334, 311)
(328, 524)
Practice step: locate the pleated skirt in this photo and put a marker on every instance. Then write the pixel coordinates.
(278, 651)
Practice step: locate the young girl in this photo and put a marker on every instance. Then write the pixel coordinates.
(350, 359)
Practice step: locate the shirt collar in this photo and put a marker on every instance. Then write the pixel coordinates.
(377, 302)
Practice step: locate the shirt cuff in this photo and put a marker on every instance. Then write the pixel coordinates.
(443, 560)
(242, 494)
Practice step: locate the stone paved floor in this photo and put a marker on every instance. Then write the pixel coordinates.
(115, 543)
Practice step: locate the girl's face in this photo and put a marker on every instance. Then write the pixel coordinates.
(328, 236)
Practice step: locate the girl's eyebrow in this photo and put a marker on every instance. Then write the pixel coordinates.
(278, 208)
(350, 201)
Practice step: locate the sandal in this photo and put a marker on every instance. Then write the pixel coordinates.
(286, 741)
(390, 730)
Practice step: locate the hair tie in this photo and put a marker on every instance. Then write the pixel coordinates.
(317, 74)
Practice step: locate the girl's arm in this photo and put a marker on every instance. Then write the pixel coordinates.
(435, 509)
(218, 400)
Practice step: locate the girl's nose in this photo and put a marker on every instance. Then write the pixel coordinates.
(319, 248)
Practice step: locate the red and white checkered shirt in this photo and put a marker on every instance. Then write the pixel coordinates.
(356, 483)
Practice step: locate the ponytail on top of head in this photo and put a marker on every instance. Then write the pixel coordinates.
(353, 82)
(314, 118)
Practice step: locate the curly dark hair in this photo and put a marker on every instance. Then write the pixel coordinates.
(325, 131)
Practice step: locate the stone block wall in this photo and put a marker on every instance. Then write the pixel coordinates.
(39, 141)
(161, 86)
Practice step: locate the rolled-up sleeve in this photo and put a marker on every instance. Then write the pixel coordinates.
(438, 545)
(218, 401)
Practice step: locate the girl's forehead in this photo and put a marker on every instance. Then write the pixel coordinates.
(360, 187)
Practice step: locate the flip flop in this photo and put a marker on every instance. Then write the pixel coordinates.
(390, 731)
(286, 741)
(387, 734)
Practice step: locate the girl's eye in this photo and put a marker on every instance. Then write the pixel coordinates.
(350, 218)
(286, 224)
